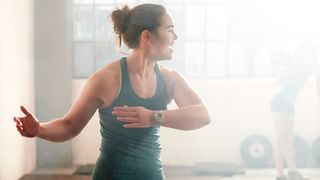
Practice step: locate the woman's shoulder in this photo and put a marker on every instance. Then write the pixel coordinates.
(109, 70)
(105, 81)
(171, 77)
(169, 73)
(106, 75)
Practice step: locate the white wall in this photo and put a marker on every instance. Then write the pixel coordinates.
(17, 154)
(239, 107)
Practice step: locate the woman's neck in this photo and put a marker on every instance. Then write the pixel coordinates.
(139, 63)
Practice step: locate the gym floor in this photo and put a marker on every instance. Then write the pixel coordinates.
(171, 174)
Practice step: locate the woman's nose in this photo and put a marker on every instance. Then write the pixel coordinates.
(175, 36)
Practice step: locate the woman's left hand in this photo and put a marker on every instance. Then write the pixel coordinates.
(134, 117)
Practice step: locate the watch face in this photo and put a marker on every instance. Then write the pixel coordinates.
(158, 118)
(158, 115)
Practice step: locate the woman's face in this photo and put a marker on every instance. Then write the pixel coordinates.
(163, 39)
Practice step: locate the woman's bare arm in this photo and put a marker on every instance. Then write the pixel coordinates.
(192, 112)
(67, 127)
(74, 121)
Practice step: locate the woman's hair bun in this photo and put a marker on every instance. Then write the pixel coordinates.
(120, 18)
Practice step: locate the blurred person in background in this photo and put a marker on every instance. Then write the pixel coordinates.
(293, 73)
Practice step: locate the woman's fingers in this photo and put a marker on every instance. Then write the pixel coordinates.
(25, 122)
(135, 125)
(126, 108)
(21, 130)
(134, 117)
(22, 133)
(24, 125)
(124, 113)
(127, 119)
(17, 120)
(25, 111)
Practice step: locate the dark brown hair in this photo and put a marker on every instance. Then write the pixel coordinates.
(129, 23)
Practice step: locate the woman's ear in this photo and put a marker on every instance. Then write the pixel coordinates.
(146, 36)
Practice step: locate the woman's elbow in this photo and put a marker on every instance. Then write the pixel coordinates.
(206, 119)
(71, 130)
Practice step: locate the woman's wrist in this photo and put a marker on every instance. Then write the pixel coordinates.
(40, 131)
(158, 117)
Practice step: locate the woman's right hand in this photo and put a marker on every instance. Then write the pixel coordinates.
(27, 126)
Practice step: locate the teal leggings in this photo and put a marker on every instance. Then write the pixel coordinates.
(124, 168)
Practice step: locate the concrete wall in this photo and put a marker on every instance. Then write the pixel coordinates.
(53, 72)
(239, 107)
(17, 154)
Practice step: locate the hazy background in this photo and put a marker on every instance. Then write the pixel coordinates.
(48, 49)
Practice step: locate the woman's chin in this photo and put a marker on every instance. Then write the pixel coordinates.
(167, 56)
(165, 59)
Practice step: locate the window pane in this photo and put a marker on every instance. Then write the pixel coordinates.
(104, 1)
(173, 1)
(105, 53)
(195, 1)
(262, 63)
(194, 21)
(83, 24)
(237, 2)
(104, 26)
(82, 1)
(238, 59)
(177, 62)
(238, 22)
(216, 59)
(125, 1)
(178, 20)
(216, 22)
(217, 1)
(83, 60)
(195, 59)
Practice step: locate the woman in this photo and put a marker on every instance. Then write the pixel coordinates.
(132, 96)
(291, 80)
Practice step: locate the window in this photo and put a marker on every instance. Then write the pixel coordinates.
(93, 39)
(214, 39)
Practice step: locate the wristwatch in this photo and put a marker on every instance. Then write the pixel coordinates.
(158, 117)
